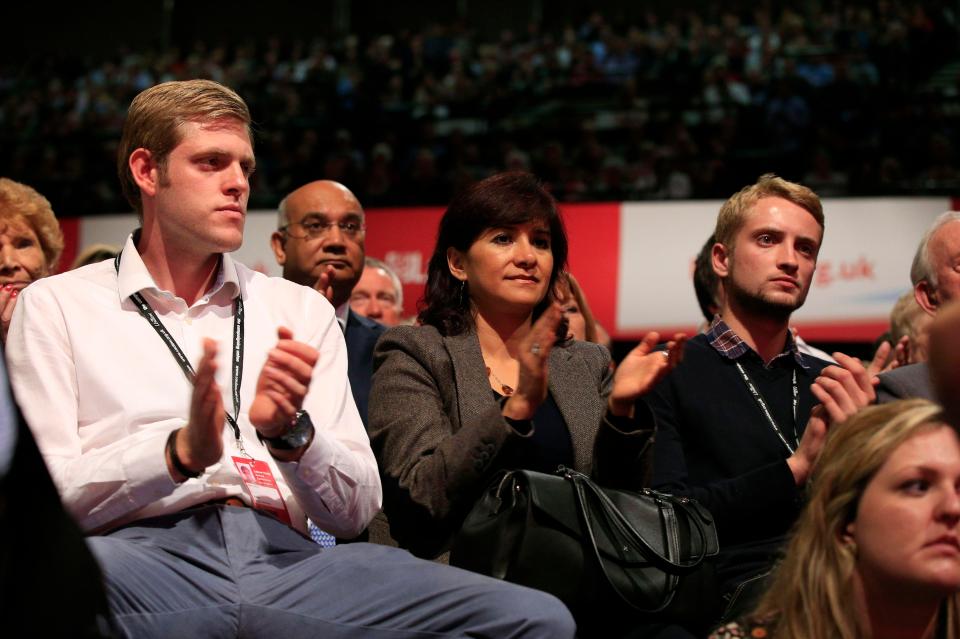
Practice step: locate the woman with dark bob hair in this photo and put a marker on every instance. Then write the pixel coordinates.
(489, 380)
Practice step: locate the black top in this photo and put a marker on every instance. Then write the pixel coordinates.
(714, 444)
(548, 447)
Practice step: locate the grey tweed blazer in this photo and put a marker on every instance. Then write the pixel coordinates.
(436, 428)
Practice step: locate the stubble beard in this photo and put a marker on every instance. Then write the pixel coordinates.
(760, 304)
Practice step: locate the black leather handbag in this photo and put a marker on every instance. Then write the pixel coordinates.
(595, 548)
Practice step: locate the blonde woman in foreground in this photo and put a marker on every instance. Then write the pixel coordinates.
(876, 552)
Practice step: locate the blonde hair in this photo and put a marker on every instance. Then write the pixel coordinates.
(568, 281)
(810, 595)
(904, 316)
(156, 115)
(733, 213)
(21, 202)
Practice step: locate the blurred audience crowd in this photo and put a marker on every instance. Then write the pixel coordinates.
(851, 99)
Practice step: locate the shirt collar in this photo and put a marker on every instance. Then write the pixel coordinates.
(342, 312)
(726, 342)
(133, 276)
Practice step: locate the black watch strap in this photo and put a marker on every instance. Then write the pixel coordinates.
(299, 434)
(175, 459)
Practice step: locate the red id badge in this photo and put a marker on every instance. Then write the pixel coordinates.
(262, 487)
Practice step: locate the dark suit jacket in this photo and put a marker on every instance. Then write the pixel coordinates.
(905, 382)
(437, 430)
(361, 336)
(50, 583)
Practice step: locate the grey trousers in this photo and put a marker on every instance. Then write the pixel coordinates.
(222, 571)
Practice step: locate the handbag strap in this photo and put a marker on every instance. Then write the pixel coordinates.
(582, 485)
(630, 533)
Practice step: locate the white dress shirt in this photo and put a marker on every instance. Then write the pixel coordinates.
(102, 392)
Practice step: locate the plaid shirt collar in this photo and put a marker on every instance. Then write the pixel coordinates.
(722, 338)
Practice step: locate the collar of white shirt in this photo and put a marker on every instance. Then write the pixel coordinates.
(342, 311)
(134, 277)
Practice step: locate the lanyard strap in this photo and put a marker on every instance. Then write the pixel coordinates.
(146, 311)
(766, 411)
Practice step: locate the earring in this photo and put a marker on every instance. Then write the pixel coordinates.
(850, 546)
(463, 285)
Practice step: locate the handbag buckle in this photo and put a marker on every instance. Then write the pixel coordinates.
(568, 473)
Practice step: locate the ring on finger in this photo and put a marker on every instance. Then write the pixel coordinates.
(535, 349)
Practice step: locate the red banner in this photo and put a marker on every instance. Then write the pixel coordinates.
(71, 242)
(404, 239)
(594, 235)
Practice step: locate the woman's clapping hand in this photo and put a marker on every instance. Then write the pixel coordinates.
(640, 371)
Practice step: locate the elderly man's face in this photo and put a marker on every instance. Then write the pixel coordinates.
(375, 297)
(21, 257)
(945, 260)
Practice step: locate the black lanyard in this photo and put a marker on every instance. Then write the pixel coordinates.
(147, 312)
(766, 411)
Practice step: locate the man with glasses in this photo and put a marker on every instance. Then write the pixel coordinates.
(319, 243)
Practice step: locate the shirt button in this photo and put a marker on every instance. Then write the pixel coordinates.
(188, 321)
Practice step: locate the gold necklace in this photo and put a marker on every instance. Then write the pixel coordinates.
(507, 390)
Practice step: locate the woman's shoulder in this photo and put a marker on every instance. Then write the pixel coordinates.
(424, 353)
(410, 337)
(424, 344)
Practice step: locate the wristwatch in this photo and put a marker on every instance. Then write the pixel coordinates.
(299, 433)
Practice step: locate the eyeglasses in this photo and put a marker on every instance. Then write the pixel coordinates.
(317, 228)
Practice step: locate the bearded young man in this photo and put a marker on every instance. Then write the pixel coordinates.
(742, 419)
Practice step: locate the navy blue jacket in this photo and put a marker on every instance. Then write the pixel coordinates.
(361, 336)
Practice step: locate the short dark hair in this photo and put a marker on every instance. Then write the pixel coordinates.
(505, 199)
(705, 280)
